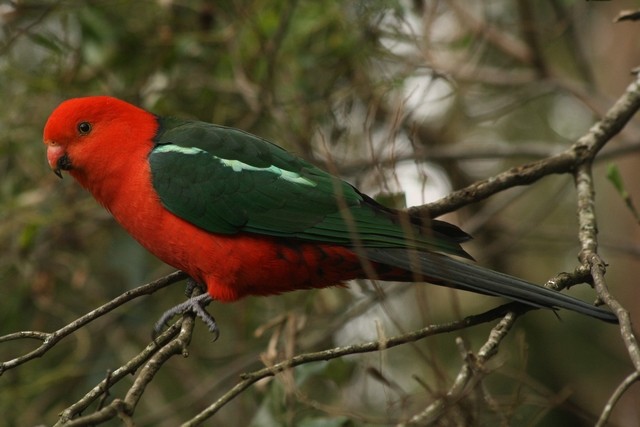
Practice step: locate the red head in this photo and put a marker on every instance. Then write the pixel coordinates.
(96, 137)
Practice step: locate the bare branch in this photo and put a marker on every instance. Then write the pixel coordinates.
(471, 373)
(49, 340)
(156, 354)
(626, 330)
(129, 368)
(584, 149)
(333, 353)
(587, 147)
(617, 394)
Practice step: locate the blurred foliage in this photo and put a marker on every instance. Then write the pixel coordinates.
(356, 87)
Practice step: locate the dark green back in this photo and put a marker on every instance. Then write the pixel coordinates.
(227, 181)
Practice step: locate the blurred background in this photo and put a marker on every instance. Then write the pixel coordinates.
(408, 99)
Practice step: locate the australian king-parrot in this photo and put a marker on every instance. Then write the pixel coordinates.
(242, 216)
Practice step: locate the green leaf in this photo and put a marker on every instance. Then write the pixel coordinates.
(47, 41)
(615, 177)
(28, 235)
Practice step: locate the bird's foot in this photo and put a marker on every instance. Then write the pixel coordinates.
(193, 285)
(195, 305)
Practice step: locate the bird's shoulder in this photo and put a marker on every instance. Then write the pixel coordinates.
(224, 143)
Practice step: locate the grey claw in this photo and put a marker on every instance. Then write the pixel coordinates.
(195, 305)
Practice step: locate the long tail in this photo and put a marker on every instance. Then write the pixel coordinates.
(446, 271)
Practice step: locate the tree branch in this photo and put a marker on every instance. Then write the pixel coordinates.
(156, 354)
(587, 148)
(49, 340)
(250, 378)
(565, 162)
(471, 373)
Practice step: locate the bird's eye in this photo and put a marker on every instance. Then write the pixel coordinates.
(84, 128)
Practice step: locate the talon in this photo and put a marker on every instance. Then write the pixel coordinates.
(195, 305)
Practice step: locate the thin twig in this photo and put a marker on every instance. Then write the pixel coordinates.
(626, 330)
(620, 390)
(49, 340)
(164, 348)
(587, 147)
(250, 378)
(470, 374)
(127, 369)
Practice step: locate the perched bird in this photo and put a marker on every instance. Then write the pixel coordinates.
(242, 216)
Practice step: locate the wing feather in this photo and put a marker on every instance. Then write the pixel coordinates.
(227, 181)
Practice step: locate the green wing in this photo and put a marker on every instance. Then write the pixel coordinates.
(227, 181)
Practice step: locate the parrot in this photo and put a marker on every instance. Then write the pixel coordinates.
(242, 216)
